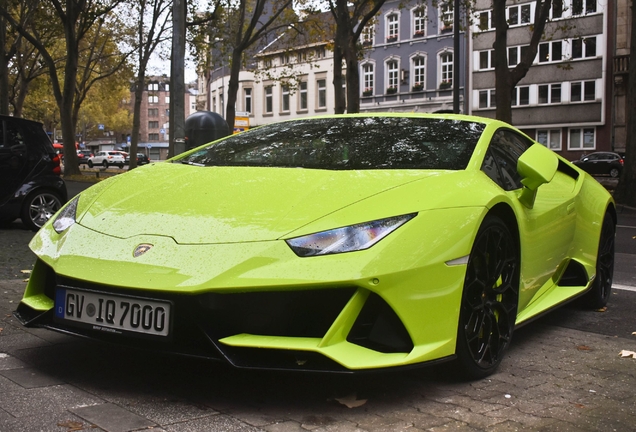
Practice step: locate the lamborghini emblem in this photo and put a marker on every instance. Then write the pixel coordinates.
(141, 249)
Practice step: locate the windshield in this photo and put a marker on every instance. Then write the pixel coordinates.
(349, 143)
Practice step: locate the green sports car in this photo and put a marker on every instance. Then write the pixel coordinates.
(337, 243)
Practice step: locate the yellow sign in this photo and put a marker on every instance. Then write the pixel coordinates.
(241, 124)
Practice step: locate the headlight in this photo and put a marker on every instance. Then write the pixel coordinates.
(347, 239)
(66, 218)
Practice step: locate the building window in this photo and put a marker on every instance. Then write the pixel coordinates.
(166, 87)
(419, 73)
(269, 100)
(153, 125)
(484, 21)
(284, 58)
(153, 137)
(367, 35)
(550, 93)
(487, 99)
(582, 139)
(302, 95)
(153, 99)
(153, 87)
(284, 97)
(392, 28)
(320, 52)
(153, 112)
(446, 17)
(521, 96)
(582, 48)
(583, 7)
(167, 112)
(486, 60)
(556, 11)
(322, 93)
(393, 76)
(446, 69)
(515, 54)
(583, 91)
(167, 100)
(367, 77)
(551, 52)
(247, 96)
(551, 138)
(419, 22)
(519, 15)
(301, 57)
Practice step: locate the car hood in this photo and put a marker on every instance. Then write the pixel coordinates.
(196, 205)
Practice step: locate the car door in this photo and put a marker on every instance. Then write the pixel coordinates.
(13, 159)
(548, 226)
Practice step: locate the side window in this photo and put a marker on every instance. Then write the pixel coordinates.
(500, 163)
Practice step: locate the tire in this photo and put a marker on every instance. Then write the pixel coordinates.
(121, 166)
(614, 172)
(601, 290)
(90, 164)
(105, 164)
(489, 301)
(38, 207)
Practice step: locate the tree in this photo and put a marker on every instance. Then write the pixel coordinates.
(506, 79)
(153, 19)
(249, 22)
(624, 193)
(77, 17)
(351, 17)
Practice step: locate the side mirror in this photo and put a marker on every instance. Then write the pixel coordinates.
(536, 166)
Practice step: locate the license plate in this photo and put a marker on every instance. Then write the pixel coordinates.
(112, 313)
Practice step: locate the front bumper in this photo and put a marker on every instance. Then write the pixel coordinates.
(257, 305)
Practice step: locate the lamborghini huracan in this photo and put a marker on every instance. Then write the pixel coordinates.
(338, 243)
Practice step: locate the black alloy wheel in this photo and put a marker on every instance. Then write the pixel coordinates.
(614, 172)
(105, 164)
(489, 301)
(90, 164)
(601, 290)
(38, 207)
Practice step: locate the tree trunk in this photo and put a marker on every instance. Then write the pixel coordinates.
(177, 80)
(4, 69)
(353, 78)
(134, 138)
(232, 88)
(624, 193)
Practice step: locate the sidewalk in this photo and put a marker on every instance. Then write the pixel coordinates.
(554, 378)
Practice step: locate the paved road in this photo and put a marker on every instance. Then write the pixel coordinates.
(562, 373)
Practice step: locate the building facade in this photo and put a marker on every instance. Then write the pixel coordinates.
(561, 102)
(154, 126)
(573, 98)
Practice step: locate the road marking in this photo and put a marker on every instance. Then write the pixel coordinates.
(624, 287)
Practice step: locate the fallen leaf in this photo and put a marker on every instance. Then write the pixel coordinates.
(603, 309)
(626, 353)
(634, 333)
(583, 348)
(351, 401)
(72, 425)
(578, 405)
(25, 271)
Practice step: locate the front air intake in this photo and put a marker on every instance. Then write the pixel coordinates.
(379, 328)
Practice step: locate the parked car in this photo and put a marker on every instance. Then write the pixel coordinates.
(30, 184)
(142, 159)
(396, 240)
(83, 155)
(601, 163)
(106, 159)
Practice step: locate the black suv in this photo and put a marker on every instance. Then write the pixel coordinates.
(30, 184)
